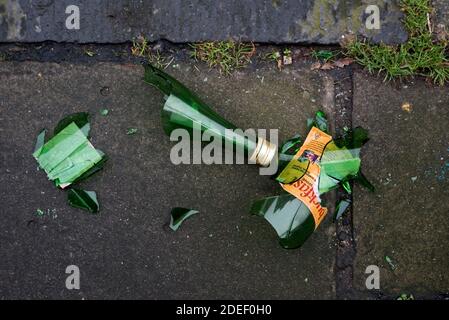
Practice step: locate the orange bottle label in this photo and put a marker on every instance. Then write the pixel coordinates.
(307, 160)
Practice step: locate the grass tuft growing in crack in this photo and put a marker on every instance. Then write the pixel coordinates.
(227, 56)
(142, 48)
(420, 55)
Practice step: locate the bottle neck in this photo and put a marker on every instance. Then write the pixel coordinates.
(264, 152)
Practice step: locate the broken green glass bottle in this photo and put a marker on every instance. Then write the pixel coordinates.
(306, 168)
(185, 110)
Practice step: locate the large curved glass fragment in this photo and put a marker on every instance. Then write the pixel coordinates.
(289, 216)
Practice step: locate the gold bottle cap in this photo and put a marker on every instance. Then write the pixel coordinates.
(264, 152)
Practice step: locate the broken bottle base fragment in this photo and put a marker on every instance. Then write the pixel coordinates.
(69, 157)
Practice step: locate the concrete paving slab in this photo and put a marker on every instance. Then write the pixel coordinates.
(287, 21)
(127, 251)
(407, 159)
(441, 18)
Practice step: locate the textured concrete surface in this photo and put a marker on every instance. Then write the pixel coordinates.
(441, 16)
(407, 159)
(286, 21)
(127, 251)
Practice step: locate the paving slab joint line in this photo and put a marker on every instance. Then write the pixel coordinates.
(51, 51)
(346, 246)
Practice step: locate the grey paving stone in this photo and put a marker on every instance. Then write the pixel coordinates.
(127, 251)
(287, 21)
(441, 16)
(407, 159)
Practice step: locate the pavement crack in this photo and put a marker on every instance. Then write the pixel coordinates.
(346, 246)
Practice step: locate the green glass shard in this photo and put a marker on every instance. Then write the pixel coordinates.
(327, 183)
(390, 262)
(104, 112)
(131, 131)
(353, 139)
(39, 212)
(346, 186)
(163, 81)
(290, 218)
(97, 167)
(287, 151)
(81, 119)
(179, 215)
(291, 146)
(68, 155)
(360, 178)
(40, 141)
(341, 160)
(342, 206)
(319, 121)
(82, 199)
(337, 166)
